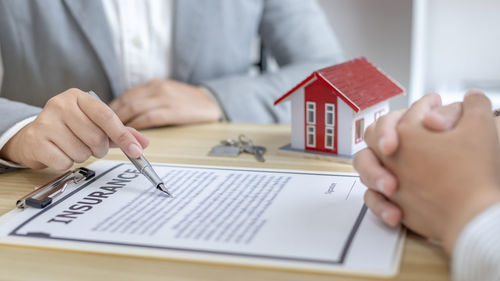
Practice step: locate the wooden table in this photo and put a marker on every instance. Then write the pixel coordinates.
(187, 145)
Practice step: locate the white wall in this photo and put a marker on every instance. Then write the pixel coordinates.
(463, 42)
(377, 29)
(344, 130)
(463, 47)
(298, 115)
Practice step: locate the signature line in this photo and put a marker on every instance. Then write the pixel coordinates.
(350, 190)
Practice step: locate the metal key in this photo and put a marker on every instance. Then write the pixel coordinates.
(225, 150)
(256, 150)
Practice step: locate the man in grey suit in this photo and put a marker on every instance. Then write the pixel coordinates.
(53, 51)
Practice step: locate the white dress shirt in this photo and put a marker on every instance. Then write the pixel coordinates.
(476, 255)
(142, 37)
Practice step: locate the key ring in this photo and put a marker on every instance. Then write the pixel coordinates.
(245, 141)
(230, 142)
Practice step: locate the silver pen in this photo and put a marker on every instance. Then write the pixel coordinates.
(143, 166)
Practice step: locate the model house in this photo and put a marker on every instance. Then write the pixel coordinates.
(332, 107)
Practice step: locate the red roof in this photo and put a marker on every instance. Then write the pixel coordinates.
(359, 83)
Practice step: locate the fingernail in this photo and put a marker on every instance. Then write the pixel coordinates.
(385, 217)
(134, 150)
(379, 184)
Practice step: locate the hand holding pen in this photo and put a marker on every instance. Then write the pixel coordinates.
(72, 127)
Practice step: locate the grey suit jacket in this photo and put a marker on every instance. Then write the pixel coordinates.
(51, 46)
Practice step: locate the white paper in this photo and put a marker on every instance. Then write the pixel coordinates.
(303, 220)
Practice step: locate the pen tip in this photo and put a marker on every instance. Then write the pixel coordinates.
(162, 187)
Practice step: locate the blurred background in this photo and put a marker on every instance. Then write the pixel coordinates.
(444, 46)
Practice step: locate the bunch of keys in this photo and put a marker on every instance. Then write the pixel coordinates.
(231, 147)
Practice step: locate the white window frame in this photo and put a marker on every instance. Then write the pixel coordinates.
(361, 137)
(313, 133)
(313, 110)
(329, 135)
(329, 111)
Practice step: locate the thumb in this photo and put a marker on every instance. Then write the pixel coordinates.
(476, 105)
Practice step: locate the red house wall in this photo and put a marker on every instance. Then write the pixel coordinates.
(320, 93)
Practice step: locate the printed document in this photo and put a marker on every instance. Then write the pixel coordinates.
(299, 220)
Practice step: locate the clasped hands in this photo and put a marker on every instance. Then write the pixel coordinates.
(165, 102)
(433, 167)
(73, 125)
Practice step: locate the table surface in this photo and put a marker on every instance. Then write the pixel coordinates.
(188, 145)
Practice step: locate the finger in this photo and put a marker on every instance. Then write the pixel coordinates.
(71, 145)
(385, 210)
(386, 133)
(476, 105)
(143, 140)
(107, 120)
(373, 174)
(370, 136)
(155, 118)
(52, 156)
(416, 113)
(138, 93)
(138, 106)
(443, 118)
(88, 132)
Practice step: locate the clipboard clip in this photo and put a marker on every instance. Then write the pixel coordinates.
(42, 196)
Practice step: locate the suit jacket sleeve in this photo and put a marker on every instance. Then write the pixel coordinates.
(299, 38)
(12, 112)
(16, 112)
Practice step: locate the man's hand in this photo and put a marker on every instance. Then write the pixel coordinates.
(72, 127)
(444, 178)
(165, 102)
(374, 175)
